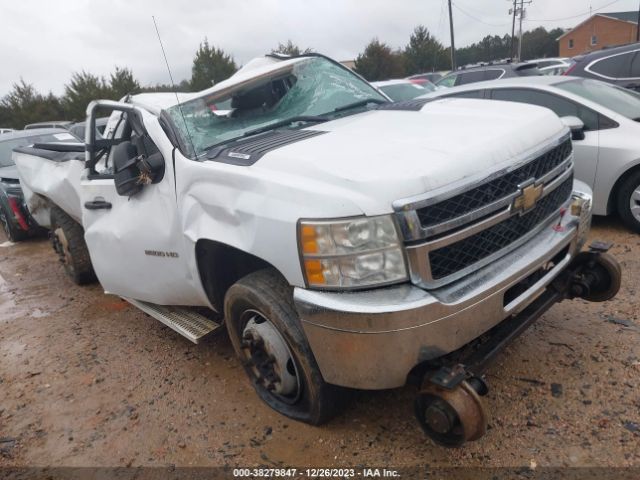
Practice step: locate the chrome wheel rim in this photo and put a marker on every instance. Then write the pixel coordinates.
(268, 357)
(634, 203)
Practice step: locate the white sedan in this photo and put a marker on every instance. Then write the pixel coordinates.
(403, 89)
(606, 132)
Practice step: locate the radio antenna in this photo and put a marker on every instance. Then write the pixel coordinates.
(174, 86)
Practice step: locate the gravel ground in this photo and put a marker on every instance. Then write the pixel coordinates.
(88, 380)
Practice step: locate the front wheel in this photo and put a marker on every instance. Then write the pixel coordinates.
(67, 236)
(628, 201)
(267, 337)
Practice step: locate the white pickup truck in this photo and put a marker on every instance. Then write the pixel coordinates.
(344, 240)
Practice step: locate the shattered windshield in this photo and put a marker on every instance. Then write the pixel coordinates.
(311, 87)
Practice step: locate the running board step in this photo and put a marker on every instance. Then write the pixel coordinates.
(187, 322)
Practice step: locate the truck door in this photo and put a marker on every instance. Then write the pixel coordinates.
(129, 211)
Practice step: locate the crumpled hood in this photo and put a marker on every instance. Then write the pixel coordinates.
(381, 156)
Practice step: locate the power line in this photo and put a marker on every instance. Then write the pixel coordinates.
(441, 16)
(435, 52)
(572, 16)
(478, 19)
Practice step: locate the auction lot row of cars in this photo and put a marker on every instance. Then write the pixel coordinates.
(345, 240)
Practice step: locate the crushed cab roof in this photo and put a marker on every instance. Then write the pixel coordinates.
(258, 67)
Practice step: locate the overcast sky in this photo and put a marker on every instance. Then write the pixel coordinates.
(44, 41)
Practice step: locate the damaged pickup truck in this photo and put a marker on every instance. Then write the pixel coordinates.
(344, 240)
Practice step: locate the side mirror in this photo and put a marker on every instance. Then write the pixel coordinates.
(134, 168)
(575, 125)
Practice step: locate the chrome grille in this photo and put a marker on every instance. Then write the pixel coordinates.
(493, 190)
(458, 256)
(455, 231)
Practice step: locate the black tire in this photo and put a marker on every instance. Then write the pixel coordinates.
(268, 294)
(67, 236)
(11, 230)
(624, 199)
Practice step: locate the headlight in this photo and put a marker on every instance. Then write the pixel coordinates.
(358, 252)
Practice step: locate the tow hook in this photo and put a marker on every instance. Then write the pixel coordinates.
(449, 407)
(596, 274)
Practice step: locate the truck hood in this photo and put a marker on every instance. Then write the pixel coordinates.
(381, 156)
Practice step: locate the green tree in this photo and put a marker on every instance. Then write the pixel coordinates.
(210, 65)
(23, 105)
(289, 48)
(536, 43)
(82, 89)
(380, 62)
(540, 43)
(122, 82)
(183, 86)
(424, 53)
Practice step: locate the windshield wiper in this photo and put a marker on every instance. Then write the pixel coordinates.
(360, 103)
(271, 126)
(284, 123)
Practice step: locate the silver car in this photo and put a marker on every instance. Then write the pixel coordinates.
(605, 120)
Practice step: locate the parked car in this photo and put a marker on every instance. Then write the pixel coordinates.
(398, 90)
(551, 62)
(5, 130)
(555, 70)
(55, 124)
(421, 78)
(16, 221)
(348, 241)
(78, 129)
(620, 66)
(488, 72)
(607, 150)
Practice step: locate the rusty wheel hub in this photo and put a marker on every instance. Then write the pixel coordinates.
(451, 416)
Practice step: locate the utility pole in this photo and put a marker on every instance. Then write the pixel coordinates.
(513, 29)
(521, 11)
(520, 35)
(453, 43)
(638, 26)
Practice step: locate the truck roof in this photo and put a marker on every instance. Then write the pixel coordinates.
(260, 66)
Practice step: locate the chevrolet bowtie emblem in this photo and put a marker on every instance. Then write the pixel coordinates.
(528, 198)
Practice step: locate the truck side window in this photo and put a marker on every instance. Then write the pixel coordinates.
(560, 106)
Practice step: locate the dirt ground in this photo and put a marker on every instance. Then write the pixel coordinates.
(88, 380)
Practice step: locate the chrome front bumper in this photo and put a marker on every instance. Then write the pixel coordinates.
(372, 339)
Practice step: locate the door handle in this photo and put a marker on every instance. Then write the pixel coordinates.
(97, 205)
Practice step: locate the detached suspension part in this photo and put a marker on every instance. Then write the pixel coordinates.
(596, 274)
(449, 407)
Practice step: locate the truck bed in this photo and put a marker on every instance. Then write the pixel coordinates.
(50, 173)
